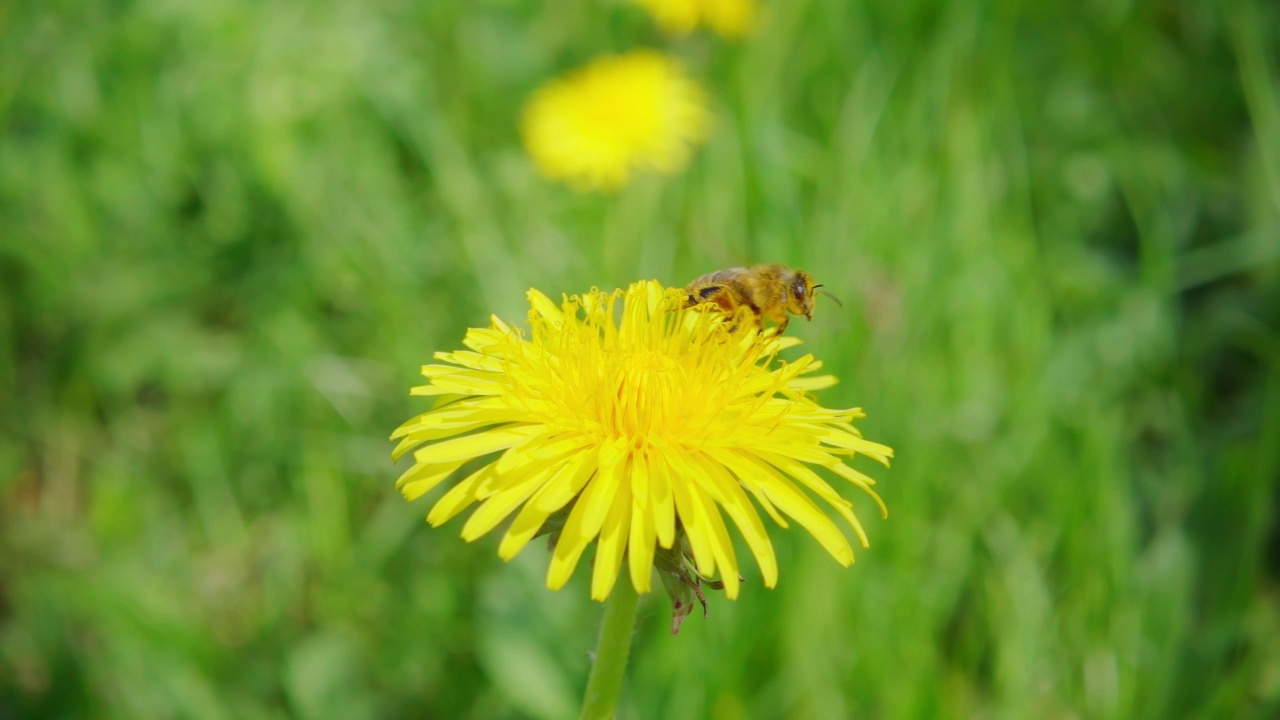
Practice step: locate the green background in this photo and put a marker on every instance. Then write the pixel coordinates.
(231, 231)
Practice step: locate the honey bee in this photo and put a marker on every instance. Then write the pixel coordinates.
(769, 291)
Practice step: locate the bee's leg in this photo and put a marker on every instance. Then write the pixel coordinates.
(740, 314)
(783, 325)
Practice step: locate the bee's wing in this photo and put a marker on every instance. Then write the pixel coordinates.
(721, 277)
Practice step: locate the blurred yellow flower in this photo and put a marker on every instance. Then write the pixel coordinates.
(595, 126)
(730, 18)
(634, 432)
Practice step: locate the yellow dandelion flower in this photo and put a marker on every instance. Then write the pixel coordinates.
(730, 18)
(620, 113)
(633, 428)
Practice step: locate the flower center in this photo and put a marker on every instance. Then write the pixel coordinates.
(638, 397)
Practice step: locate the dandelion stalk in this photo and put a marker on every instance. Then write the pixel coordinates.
(604, 687)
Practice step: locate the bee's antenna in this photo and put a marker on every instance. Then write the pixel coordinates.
(824, 292)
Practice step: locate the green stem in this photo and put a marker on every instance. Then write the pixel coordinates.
(605, 684)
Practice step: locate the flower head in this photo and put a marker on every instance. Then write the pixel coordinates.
(627, 421)
(730, 18)
(620, 113)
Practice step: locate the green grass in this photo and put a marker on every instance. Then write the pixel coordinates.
(230, 232)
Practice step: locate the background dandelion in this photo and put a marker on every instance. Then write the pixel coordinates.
(230, 232)
(618, 115)
(730, 18)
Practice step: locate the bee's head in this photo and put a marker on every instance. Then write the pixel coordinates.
(800, 290)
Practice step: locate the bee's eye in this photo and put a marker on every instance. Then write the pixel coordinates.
(798, 288)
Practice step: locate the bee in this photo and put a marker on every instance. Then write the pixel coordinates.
(769, 291)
